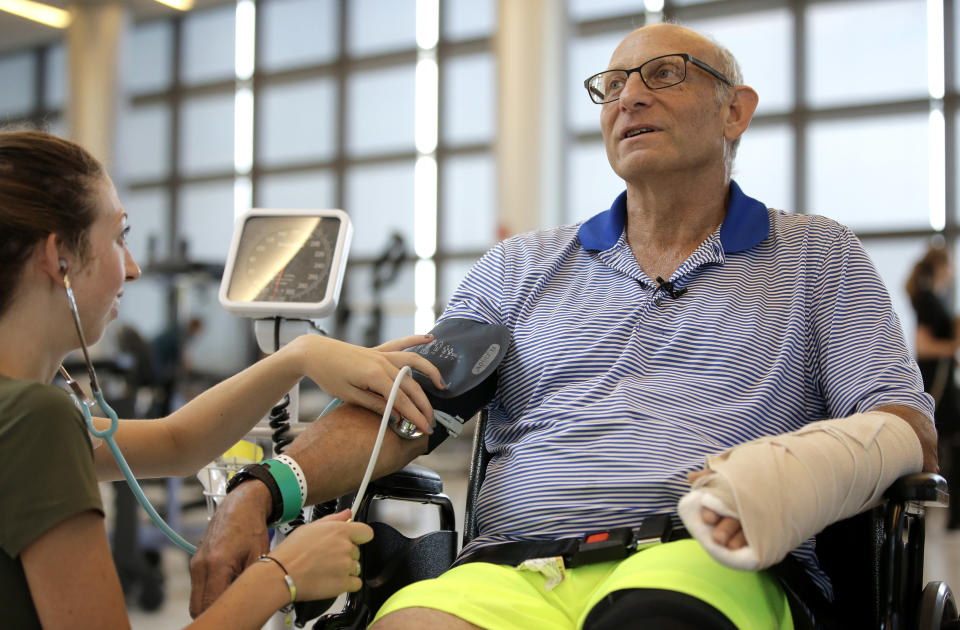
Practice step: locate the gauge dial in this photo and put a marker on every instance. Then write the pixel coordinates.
(284, 259)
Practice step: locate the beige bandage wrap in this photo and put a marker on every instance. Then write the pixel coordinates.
(785, 489)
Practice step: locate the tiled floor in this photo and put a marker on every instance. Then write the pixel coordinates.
(942, 560)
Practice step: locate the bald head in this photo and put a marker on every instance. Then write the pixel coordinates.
(685, 39)
(673, 38)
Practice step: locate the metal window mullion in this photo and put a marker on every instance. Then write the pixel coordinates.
(39, 88)
(950, 127)
(256, 85)
(801, 118)
(340, 163)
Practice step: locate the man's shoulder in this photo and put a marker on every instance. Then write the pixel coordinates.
(546, 238)
(793, 225)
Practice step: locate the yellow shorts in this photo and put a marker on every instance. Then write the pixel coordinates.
(503, 598)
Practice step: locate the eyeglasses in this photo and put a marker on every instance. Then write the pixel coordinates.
(657, 73)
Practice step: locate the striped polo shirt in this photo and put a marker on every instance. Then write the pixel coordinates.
(613, 389)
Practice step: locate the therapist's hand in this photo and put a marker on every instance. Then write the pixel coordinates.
(323, 557)
(235, 538)
(364, 376)
(726, 530)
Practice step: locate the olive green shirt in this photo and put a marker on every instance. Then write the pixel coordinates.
(46, 477)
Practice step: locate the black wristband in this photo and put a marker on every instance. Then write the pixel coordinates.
(257, 471)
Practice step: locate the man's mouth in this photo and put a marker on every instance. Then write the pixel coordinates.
(636, 132)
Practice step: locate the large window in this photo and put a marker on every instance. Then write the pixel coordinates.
(348, 116)
(385, 108)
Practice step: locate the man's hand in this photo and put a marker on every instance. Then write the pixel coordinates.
(235, 538)
(726, 530)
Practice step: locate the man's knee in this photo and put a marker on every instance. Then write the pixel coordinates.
(422, 618)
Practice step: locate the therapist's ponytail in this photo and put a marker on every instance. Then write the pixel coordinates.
(46, 187)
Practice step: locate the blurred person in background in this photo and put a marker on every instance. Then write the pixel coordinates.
(936, 344)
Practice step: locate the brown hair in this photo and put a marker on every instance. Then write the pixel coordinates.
(921, 278)
(45, 188)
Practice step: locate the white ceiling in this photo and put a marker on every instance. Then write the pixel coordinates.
(17, 33)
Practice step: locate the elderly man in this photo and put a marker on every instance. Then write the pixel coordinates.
(686, 322)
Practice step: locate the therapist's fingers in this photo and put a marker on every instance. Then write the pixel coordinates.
(418, 363)
(415, 394)
(411, 402)
(402, 405)
(404, 342)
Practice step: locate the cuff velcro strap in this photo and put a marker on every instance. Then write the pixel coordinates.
(290, 496)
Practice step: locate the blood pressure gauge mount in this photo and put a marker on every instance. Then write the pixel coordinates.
(286, 263)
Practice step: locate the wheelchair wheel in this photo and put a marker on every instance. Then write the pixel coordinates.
(938, 608)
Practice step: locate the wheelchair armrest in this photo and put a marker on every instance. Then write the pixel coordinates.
(412, 478)
(927, 488)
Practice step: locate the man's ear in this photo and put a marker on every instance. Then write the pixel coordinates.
(740, 111)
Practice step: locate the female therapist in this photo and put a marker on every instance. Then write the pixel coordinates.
(60, 222)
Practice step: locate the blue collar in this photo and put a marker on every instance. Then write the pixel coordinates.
(746, 224)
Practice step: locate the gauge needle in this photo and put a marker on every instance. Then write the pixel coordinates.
(276, 284)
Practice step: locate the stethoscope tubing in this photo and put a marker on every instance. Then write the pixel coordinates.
(107, 434)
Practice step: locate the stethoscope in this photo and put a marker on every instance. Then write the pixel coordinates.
(107, 434)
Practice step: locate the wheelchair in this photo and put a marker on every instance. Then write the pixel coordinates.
(874, 559)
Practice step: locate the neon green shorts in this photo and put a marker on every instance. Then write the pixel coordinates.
(503, 598)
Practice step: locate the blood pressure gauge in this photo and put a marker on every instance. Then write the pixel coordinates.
(286, 263)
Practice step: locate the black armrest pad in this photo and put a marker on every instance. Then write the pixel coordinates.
(930, 488)
(412, 478)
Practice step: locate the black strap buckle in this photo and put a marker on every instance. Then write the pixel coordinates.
(617, 544)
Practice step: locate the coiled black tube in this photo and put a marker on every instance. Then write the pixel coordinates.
(279, 420)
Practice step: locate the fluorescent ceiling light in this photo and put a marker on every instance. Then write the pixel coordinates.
(37, 11)
(182, 5)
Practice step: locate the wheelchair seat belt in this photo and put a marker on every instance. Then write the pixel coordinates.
(602, 546)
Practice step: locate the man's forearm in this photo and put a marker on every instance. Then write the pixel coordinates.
(334, 450)
(925, 430)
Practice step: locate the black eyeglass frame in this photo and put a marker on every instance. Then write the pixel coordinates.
(687, 58)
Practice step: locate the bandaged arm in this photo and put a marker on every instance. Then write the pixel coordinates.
(784, 489)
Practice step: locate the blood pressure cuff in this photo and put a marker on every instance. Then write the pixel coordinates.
(467, 353)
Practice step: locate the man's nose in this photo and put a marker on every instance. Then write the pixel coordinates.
(635, 92)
